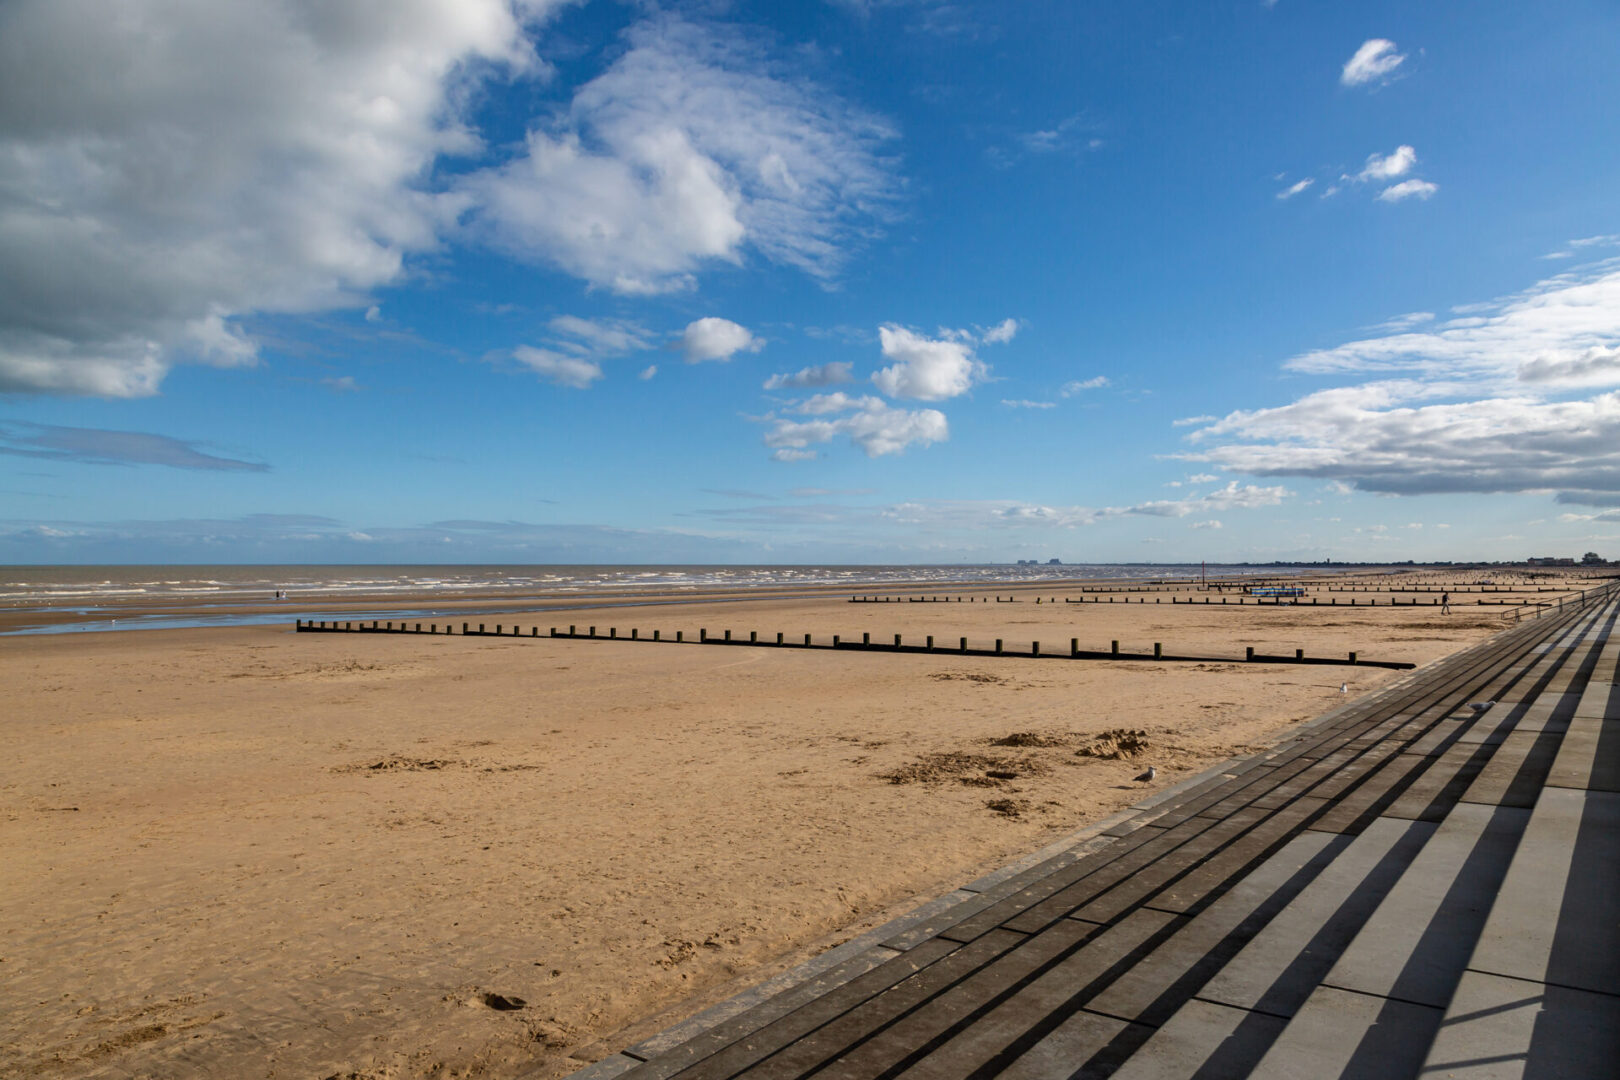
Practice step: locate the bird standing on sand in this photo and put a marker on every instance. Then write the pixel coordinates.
(1480, 706)
(1147, 777)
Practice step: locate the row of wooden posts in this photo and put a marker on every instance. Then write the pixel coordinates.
(782, 641)
(1258, 601)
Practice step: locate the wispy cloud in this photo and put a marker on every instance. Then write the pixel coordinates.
(830, 374)
(1408, 189)
(1372, 62)
(1025, 403)
(693, 147)
(555, 367)
(1478, 405)
(1295, 188)
(98, 446)
(1080, 386)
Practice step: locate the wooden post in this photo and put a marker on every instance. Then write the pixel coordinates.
(480, 627)
(1248, 652)
(1158, 650)
(964, 644)
(866, 639)
(593, 631)
(658, 635)
(1115, 649)
(635, 634)
(703, 636)
(807, 640)
(998, 646)
(930, 642)
(728, 635)
(779, 637)
(497, 629)
(1074, 646)
(835, 641)
(897, 641)
(1034, 648)
(1352, 658)
(680, 635)
(1299, 654)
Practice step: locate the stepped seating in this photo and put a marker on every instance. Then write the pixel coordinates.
(1410, 887)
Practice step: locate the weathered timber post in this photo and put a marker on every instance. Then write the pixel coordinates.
(1248, 652)
(964, 644)
(866, 639)
(1158, 650)
(930, 642)
(1034, 648)
(1115, 649)
(897, 641)
(998, 646)
(1352, 658)
(1074, 646)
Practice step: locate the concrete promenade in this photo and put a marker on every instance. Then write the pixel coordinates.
(1408, 887)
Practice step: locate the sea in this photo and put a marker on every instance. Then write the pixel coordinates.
(100, 597)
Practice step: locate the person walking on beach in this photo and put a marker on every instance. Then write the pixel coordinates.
(1445, 603)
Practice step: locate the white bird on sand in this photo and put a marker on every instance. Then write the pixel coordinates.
(1480, 706)
(1147, 777)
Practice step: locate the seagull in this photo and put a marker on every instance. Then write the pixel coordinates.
(1480, 706)
(1147, 777)
(1344, 688)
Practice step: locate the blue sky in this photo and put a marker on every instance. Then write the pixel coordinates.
(488, 280)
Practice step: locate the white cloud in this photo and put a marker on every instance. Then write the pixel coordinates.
(1001, 333)
(1405, 322)
(1375, 59)
(794, 455)
(171, 169)
(558, 368)
(691, 149)
(1025, 403)
(977, 514)
(1557, 323)
(1408, 189)
(601, 337)
(1202, 478)
(373, 313)
(341, 384)
(1597, 366)
(1096, 382)
(874, 426)
(1574, 247)
(713, 338)
(1397, 162)
(1295, 188)
(1190, 421)
(1210, 524)
(927, 369)
(1482, 408)
(831, 374)
(648, 372)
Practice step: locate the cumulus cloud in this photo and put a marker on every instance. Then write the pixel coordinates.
(927, 369)
(692, 148)
(1408, 189)
(716, 339)
(871, 424)
(169, 170)
(555, 367)
(1375, 59)
(1295, 188)
(1397, 162)
(167, 174)
(831, 374)
(1597, 366)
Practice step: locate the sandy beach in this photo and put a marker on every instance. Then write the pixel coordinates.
(249, 852)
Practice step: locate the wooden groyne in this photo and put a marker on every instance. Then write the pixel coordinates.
(781, 640)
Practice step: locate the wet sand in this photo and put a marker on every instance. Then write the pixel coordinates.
(252, 852)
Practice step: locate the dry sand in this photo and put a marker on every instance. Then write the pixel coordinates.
(247, 852)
